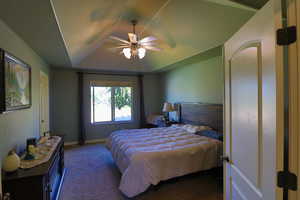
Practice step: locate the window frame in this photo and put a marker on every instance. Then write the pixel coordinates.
(92, 97)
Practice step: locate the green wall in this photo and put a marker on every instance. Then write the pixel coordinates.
(17, 126)
(196, 79)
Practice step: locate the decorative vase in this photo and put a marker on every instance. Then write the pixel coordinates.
(12, 162)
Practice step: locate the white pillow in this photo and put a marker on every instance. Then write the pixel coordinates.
(177, 125)
(186, 126)
(194, 129)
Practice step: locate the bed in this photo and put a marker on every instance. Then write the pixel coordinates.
(147, 156)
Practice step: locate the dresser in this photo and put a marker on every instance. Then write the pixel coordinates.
(42, 182)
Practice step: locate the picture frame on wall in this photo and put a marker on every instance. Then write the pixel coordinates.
(15, 83)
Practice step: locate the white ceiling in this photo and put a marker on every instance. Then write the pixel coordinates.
(75, 33)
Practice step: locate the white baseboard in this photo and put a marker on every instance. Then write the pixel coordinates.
(70, 143)
(87, 142)
(103, 140)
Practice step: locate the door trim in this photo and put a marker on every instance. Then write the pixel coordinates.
(246, 45)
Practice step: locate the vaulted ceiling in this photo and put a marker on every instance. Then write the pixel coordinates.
(75, 33)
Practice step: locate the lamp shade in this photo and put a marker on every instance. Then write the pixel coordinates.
(168, 107)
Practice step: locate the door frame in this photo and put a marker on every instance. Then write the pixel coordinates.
(294, 104)
(297, 56)
(43, 75)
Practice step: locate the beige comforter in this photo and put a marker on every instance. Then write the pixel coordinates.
(148, 156)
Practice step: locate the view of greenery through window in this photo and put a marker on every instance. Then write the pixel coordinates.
(111, 104)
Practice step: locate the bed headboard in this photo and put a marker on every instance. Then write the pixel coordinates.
(201, 114)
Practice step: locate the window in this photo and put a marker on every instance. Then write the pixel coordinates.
(111, 104)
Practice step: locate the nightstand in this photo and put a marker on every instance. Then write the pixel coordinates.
(150, 126)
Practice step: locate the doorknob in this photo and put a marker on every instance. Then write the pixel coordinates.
(225, 158)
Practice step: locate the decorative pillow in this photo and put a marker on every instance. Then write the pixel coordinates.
(194, 129)
(211, 134)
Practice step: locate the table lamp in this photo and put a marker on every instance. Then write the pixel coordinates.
(168, 107)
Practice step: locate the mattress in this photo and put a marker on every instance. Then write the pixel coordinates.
(148, 156)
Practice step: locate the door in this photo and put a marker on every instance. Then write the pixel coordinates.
(250, 109)
(44, 103)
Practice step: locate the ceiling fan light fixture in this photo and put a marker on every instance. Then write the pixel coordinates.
(134, 48)
(141, 53)
(127, 53)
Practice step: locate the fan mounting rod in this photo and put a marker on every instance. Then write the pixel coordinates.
(134, 23)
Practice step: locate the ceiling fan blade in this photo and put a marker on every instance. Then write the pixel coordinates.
(148, 44)
(147, 39)
(152, 48)
(119, 39)
(132, 37)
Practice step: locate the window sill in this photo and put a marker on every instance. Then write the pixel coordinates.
(112, 123)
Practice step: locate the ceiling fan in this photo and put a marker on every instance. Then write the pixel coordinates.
(133, 47)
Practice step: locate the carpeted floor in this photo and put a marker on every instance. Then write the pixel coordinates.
(92, 175)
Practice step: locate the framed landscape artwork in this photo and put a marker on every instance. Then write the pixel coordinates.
(15, 83)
